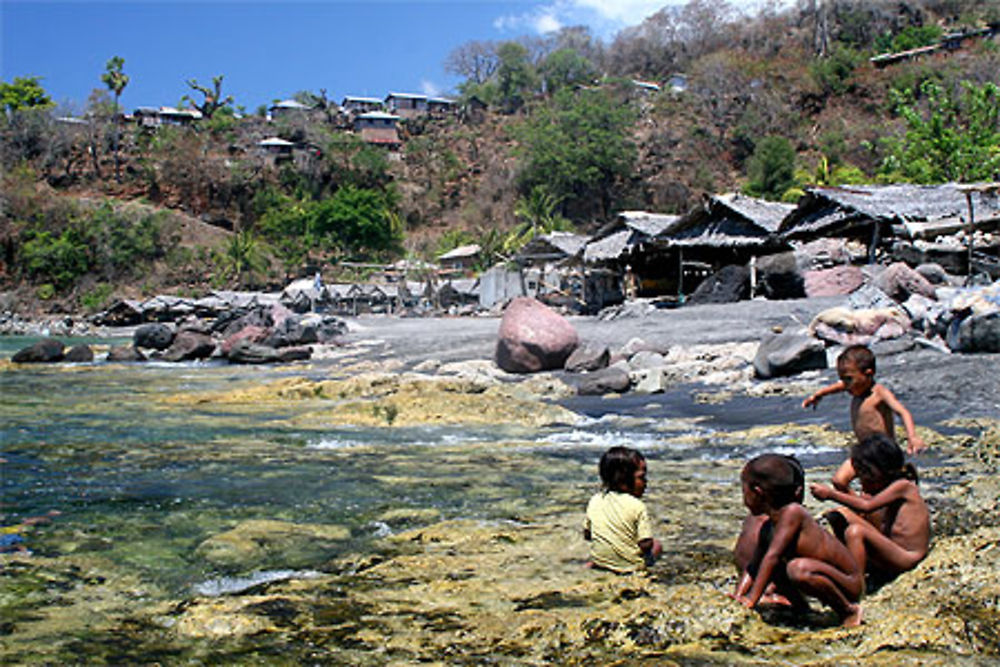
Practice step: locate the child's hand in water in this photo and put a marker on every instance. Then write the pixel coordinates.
(811, 401)
(821, 492)
(915, 445)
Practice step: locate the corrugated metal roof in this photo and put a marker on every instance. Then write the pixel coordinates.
(609, 247)
(408, 96)
(648, 223)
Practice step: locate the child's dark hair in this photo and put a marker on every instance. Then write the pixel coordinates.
(859, 356)
(878, 452)
(781, 478)
(618, 466)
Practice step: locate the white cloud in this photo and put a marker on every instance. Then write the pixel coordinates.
(604, 17)
(429, 88)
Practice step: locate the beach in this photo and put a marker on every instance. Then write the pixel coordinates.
(399, 500)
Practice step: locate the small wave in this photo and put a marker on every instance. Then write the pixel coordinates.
(578, 438)
(229, 585)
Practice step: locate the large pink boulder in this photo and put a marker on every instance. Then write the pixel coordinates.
(533, 337)
(838, 281)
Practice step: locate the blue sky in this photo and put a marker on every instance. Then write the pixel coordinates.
(271, 49)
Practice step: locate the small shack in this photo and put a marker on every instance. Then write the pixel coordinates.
(553, 270)
(462, 258)
(726, 229)
(407, 105)
(288, 109)
(379, 128)
(624, 250)
(899, 218)
(354, 104)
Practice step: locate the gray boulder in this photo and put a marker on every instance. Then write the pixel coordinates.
(189, 345)
(605, 381)
(246, 352)
(586, 358)
(976, 333)
(934, 273)
(47, 350)
(533, 337)
(123, 353)
(646, 359)
(153, 336)
(728, 285)
(779, 277)
(780, 355)
(80, 354)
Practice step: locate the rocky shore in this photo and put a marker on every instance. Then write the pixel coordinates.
(515, 591)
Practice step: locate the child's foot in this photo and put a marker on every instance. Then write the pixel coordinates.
(776, 599)
(853, 617)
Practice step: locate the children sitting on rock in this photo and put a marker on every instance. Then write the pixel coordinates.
(617, 523)
(887, 528)
(790, 549)
(873, 406)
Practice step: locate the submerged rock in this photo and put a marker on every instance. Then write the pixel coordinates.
(788, 354)
(44, 351)
(259, 542)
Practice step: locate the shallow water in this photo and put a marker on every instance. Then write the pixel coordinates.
(140, 481)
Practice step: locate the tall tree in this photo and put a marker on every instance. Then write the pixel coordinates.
(116, 80)
(212, 99)
(516, 76)
(476, 61)
(578, 149)
(771, 168)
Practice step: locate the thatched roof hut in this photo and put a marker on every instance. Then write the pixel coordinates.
(626, 235)
(551, 248)
(910, 211)
(731, 221)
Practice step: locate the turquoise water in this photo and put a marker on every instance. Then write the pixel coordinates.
(145, 481)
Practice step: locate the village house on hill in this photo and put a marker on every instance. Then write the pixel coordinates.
(379, 128)
(353, 104)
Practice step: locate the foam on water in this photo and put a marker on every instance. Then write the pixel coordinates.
(229, 585)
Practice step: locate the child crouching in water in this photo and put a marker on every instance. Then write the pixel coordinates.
(792, 551)
(617, 523)
(900, 537)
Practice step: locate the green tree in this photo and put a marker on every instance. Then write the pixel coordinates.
(539, 214)
(566, 68)
(116, 80)
(516, 76)
(953, 136)
(243, 257)
(771, 168)
(579, 150)
(23, 93)
(355, 221)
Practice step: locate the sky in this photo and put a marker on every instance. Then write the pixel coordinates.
(268, 50)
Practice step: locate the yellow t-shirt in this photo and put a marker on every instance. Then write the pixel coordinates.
(617, 521)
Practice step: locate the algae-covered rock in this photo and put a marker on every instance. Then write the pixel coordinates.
(265, 542)
(407, 399)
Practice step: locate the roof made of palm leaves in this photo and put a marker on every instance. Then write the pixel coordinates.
(728, 221)
(552, 247)
(625, 233)
(843, 210)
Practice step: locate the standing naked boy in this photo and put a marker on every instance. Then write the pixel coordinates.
(872, 406)
(793, 551)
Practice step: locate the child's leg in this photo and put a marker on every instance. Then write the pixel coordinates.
(833, 587)
(869, 546)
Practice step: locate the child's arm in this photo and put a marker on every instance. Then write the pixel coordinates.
(914, 442)
(842, 478)
(814, 399)
(863, 504)
(786, 528)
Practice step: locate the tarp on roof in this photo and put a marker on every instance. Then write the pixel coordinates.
(916, 208)
(380, 135)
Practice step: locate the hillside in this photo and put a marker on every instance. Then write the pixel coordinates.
(561, 136)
